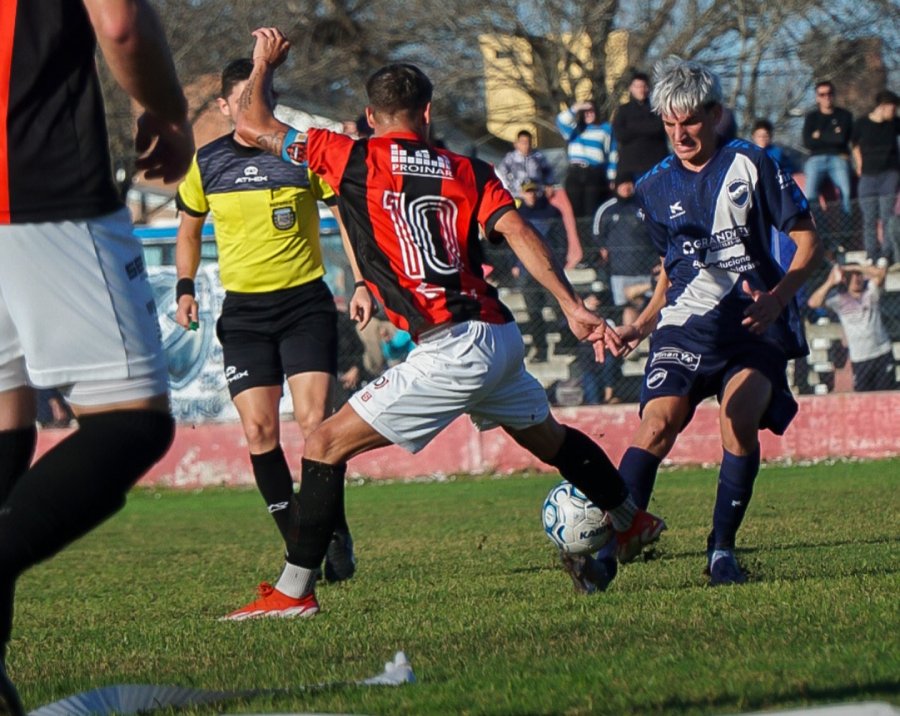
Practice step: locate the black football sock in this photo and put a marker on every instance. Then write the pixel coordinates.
(273, 478)
(16, 451)
(314, 511)
(583, 462)
(340, 519)
(74, 487)
(78, 484)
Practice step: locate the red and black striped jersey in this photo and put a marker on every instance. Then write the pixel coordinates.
(54, 153)
(413, 213)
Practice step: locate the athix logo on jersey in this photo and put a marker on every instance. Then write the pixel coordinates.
(419, 163)
(669, 354)
(739, 192)
(676, 210)
(656, 378)
(251, 176)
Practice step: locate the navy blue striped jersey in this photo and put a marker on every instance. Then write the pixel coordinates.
(713, 229)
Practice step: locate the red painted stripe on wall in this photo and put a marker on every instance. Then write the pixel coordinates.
(839, 425)
(7, 33)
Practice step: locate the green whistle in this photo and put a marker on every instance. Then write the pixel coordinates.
(193, 326)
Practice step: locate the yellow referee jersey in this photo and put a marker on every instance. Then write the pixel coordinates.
(265, 214)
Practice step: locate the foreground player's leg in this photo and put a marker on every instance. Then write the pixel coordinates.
(18, 436)
(72, 489)
(10, 704)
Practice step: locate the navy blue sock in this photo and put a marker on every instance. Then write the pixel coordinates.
(735, 488)
(638, 468)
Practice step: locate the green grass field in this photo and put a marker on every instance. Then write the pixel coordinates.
(460, 576)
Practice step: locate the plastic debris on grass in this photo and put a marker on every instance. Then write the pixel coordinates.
(132, 699)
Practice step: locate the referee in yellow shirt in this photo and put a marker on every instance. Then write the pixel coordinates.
(278, 317)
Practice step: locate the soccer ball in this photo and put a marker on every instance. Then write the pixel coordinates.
(574, 523)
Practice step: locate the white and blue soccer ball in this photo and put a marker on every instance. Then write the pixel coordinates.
(574, 523)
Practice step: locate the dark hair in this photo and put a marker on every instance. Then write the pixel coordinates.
(235, 72)
(399, 88)
(639, 76)
(524, 133)
(762, 124)
(825, 83)
(886, 97)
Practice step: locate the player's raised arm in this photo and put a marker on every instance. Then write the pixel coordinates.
(543, 267)
(256, 123)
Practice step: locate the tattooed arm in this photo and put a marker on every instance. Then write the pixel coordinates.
(255, 122)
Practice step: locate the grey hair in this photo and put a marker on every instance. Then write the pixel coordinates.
(683, 87)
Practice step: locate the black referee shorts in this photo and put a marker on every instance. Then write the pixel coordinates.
(267, 336)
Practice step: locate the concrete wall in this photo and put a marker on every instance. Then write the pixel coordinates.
(861, 425)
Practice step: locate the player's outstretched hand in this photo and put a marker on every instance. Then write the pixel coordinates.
(165, 148)
(760, 314)
(589, 326)
(271, 47)
(629, 336)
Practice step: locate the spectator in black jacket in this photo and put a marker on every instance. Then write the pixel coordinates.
(637, 131)
(826, 134)
(874, 141)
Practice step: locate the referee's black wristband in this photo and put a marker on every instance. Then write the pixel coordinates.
(359, 284)
(184, 287)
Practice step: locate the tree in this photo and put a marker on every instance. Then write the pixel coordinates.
(766, 52)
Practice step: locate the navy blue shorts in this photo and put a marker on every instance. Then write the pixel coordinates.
(679, 366)
(268, 336)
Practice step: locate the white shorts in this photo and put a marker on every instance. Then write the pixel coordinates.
(472, 367)
(77, 311)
